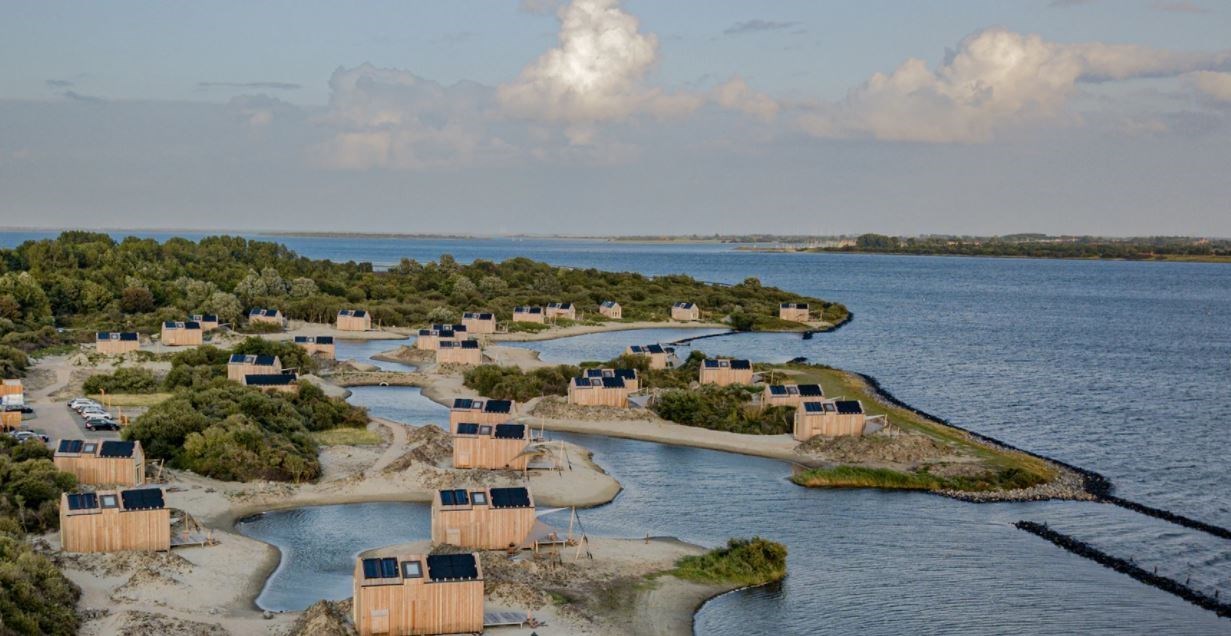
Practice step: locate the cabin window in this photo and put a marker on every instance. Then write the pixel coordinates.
(478, 498)
(89, 448)
(412, 570)
(485, 430)
(109, 501)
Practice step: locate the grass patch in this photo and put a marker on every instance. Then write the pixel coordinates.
(527, 327)
(348, 437)
(754, 561)
(131, 399)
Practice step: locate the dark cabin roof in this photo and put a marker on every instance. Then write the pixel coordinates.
(251, 358)
(517, 497)
(654, 348)
(444, 327)
(464, 403)
(357, 313)
(712, 363)
(382, 568)
(811, 390)
(204, 317)
(467, 428)
(561, 305)
(70, 446)
(478, 315)
(116, 335)
(454, 497)
(849, 407)
(498, 406)
(794, 305)
(528, 310)
(819, 407)
(462, 344)
(684, 305)
(172, 324)
(269, 379)
(510, 431)
(608, 304)
(142, 499)
(452, 567)
(82, 501)
(777, 389)
(313, 339)
(263, 312)
(117, 448)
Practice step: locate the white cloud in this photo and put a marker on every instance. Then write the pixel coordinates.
(1214, 85)
(596, 73)
(735, 94)
(390, 118)
(995, 79)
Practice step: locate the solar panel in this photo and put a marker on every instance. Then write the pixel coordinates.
(470, 344)
(499, 406)
(142, 499)
(811, 390)
(814, 407)
(82, 501)
(627, 374)
(383, 568)
(446, 567)
(613, 383)
(128, 335)
(455, 497)
(777, 389)
(510, 431)
(324, 340)
(741, 364)
(114, 448)
(70, 445)
(467, 429)
(269, 379)
(711, 364)
(849, 407)
(463, 403)
(581, 382)
(510, 498)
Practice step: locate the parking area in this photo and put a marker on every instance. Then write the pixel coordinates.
(54, 419)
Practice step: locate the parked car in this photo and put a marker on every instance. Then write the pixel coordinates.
(22, 436)
(77, 403)
(18, 407)
(102, 425)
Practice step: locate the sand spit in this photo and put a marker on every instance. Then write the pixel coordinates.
(608, 587)
(551, 333)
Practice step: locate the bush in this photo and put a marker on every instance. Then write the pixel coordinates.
(511, 383)
(754, 561)
(35, 597)
(13, 362)
(727, 408)
(237, 433)
(123, 380)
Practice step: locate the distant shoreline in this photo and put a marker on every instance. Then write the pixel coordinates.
(1162, 258)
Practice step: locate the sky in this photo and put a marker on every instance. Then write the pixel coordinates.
(1109, 117)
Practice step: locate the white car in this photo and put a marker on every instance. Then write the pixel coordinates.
(96, 415)
(81, 403)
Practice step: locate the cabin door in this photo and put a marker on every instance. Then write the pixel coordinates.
(380, 621)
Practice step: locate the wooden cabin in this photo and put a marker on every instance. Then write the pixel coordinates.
(831, 418)
(611, 309)
(102, 462)
(556, 311)
(317, 346)
(685, 312)
(479, 322)
(459, 352)
(493, 446)
(660, 357)
(115, 521)
(12, 393)
(599, 391)
(790, 394)
(529, 314)
(209, 322)
(725, 371)
(261, 316)
(797, 312)
(281, 382)
(480, 412)
(182, 334)
(411, 594)
(354, 320)
(244, 364)
(482, 518)
(430, 339)
(116, 342)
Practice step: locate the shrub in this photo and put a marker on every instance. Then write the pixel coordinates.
(123, 380)
(511, 383)
(727, 408)
(754, 561)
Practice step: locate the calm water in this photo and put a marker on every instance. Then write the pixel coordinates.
(1123, 368)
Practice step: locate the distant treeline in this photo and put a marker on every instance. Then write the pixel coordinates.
(56, 291)
(1043, 246)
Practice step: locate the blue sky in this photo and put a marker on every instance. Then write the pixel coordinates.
(1099, 116)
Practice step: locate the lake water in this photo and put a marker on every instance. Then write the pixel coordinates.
(1119, 367)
